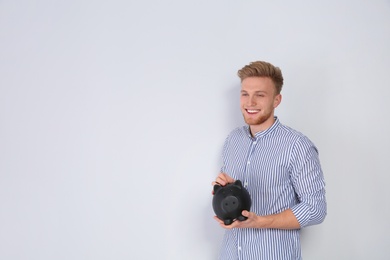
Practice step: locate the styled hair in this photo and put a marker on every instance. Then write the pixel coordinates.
(263, 69)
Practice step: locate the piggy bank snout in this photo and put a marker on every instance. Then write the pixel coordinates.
(230, 203)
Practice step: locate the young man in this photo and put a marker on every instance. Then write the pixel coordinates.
(278, 166)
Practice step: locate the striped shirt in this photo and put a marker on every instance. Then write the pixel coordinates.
(281, 170)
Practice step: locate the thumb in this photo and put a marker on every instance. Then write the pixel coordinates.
(245, 213)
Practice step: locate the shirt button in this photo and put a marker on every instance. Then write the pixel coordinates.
(249, 162)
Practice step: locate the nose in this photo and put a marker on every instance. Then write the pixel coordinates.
(251, 101)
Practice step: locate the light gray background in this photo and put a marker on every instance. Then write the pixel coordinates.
(113, 115)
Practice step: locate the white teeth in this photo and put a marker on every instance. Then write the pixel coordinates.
(252, 111)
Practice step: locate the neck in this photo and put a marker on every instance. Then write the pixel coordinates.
(263, 126)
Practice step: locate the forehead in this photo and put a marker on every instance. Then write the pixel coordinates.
(253, 84)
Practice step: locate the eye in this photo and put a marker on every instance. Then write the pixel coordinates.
(244, 94)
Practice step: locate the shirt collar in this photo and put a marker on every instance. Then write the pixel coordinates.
(266, 131)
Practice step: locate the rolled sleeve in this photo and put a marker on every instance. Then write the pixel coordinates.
(309, 184)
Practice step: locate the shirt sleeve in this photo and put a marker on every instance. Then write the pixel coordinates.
(309, 184)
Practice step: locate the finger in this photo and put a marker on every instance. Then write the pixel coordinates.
(219, 181)
(226, 178)
(245, 213)
(223, 179)
(215, 183)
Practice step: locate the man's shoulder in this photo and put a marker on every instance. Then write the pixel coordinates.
(239, 131)
(294, 134)
(289, 130)
(238, 134)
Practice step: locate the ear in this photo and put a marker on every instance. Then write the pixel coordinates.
(238, 183)
(217, 187)
(277, 100)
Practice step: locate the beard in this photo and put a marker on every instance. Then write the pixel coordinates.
(258, 120)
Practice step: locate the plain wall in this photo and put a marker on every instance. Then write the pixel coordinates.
(113, 115)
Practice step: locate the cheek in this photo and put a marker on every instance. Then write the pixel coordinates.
(242, 101)
(269, 105)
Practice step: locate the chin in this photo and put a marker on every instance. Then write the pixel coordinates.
(255, 121)
(252, 121)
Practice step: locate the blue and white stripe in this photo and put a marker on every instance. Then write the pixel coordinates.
(281, 170)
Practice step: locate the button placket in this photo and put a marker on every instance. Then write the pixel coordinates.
(248, 163)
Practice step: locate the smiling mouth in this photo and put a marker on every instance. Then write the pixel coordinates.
(252, 111)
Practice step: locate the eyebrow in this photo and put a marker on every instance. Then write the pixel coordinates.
(259, 91)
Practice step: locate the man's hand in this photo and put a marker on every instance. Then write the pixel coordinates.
(251, 222)
(223, 179)
(282, 220)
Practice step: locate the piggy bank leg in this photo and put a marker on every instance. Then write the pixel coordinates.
(227, 222)
(242, 218)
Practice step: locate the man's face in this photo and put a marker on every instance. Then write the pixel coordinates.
(258, 101)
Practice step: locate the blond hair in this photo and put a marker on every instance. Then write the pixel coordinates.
(263, 69)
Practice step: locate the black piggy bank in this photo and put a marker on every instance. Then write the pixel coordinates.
(230, 200)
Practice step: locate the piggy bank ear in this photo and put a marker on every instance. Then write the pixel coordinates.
(238, 183)
(217, 187)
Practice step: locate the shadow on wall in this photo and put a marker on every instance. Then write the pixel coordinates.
(233, 117)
